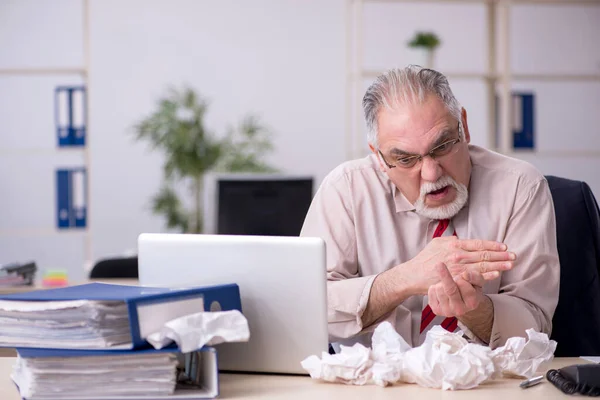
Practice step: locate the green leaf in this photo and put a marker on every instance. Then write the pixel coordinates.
(167, 204)
(244, 148)
(428, 40)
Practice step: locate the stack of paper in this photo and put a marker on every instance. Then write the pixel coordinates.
(129, 375)
(89, 341)
(82, 324)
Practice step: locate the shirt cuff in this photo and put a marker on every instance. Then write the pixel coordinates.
(512, 317)
(470, 336)
(364, 300)
(347, 301)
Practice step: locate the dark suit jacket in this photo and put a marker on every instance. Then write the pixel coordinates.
(576, 322)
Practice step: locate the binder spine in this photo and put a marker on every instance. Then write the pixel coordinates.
(71, 198)
(70, 116)
(78, 116)
(134, 325)
(227, 298)
(63, 199)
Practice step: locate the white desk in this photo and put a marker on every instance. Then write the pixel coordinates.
(250, 386)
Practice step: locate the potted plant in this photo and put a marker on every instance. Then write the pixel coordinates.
(424, 45)
(177, 128)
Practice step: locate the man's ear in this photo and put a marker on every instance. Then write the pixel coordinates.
(379, 160)
(465, 126)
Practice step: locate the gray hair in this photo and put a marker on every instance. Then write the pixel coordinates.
(408, 85)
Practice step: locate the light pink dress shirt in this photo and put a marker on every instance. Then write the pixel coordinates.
(369, 227)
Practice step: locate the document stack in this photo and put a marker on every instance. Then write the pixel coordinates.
(40, 375)
(82, 324)
(17, 274)
(89, 342)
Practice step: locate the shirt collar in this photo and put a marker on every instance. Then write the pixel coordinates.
(401, 202)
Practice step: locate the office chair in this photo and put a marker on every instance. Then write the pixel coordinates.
(123, 268)
(576, 322)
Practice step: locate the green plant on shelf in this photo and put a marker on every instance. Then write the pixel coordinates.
(427, 40)
(177, 127)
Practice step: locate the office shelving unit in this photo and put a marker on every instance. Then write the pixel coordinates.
(83, 72)
(498, 47)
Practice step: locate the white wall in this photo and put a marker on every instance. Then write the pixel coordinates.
(282, 59)
(36, 33)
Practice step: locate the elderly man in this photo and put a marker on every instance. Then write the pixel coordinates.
(429, 229)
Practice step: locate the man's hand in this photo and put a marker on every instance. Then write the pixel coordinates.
(482, 257)
(474, 261)
(454, 297)
(457, 297)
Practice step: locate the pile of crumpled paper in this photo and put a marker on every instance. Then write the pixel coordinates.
(445, 360)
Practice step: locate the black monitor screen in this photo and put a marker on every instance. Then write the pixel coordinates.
(269, 207)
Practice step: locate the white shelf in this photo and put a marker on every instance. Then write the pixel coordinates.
(43, 71)
(33, 151)
(557, 2)
(42, 232)
(557, 77)
(369, 73)
(431, 1)
(555, 153)
(513, 2)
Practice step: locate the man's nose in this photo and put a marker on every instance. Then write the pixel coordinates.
(431, 170)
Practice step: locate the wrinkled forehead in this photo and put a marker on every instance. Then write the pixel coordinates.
(415, 128)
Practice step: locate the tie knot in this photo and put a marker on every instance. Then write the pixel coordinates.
(441, 227)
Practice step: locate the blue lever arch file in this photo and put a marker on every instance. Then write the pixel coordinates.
(148, 308)
(71, 198)
(63, 199)
(70, 115)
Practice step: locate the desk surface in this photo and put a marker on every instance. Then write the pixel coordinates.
(251, 386)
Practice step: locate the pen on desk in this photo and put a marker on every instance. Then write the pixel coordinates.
(531, 382)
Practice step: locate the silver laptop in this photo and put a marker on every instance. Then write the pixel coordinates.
(282, 284)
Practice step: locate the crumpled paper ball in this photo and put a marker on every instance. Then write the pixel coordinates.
(445, 360)
(193, 331)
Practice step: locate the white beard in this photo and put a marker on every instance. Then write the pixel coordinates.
(446, 211)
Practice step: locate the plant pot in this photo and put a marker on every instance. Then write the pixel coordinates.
(422, 56)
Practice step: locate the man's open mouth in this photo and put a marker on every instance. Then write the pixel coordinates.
(439, 191)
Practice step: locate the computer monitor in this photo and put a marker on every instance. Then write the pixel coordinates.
(257, 204)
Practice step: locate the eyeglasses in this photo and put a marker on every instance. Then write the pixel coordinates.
(409, 161)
